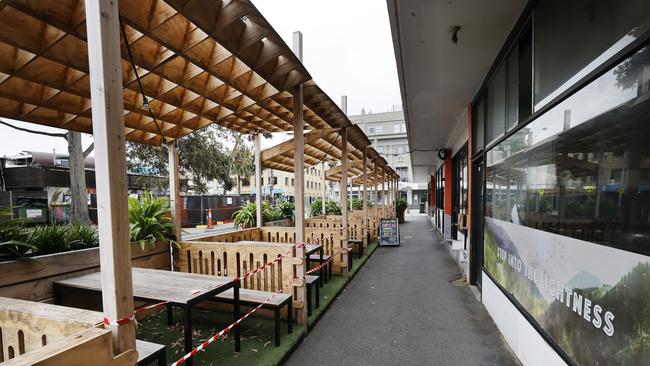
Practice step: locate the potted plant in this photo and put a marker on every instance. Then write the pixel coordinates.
(401, 204)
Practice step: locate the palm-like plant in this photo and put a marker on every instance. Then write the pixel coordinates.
(332, 208)
(148, 220)
(246, 216)
(287, 208)
(316, 207)
(14, 237)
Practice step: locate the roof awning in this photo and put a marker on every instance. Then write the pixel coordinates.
(199, 62)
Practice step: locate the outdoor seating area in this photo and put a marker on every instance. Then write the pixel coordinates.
(154, 71)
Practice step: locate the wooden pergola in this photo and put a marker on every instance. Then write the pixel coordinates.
(152, 71)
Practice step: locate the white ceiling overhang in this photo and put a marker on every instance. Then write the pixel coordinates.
(438, 78)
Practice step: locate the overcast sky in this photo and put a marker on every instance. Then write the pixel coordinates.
(347, 49)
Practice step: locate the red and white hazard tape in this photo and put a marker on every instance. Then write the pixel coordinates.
(269, 264)
(216, 336)
(131, 317)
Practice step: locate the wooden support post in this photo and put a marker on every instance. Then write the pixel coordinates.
(384, 199)
(344, 197)
(174, 190)
(375, 183)
(322, 165)
(258, 180)
(104, 60)
(299, 188)
(365, 199)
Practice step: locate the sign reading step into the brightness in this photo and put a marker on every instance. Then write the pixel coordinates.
(388, 232)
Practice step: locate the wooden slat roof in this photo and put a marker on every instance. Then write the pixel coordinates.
(320, 145)
(199, 62)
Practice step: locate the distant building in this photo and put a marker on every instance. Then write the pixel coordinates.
(387, 132)
(281, 184)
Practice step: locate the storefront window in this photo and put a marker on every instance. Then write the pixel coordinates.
(581, 169)
(567, 226)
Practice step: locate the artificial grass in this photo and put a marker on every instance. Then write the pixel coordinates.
(258, 346)
(335, 285)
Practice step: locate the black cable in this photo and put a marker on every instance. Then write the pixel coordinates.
(137, 77)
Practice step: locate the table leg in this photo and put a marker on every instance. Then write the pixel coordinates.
(170, 315)
(277, 326)
(308, 300)
(187, 328)
(57, 296)
(237, 329)
(317, 297)
(162, 358)
(322, 268)
(290, 316)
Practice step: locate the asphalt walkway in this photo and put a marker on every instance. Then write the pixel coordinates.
(403, 308)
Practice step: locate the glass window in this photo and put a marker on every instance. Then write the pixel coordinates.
(580, 170)
(574, 37)
(478, 129)
(496, 105)
(512, 66)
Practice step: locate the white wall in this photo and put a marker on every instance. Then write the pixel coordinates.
(524, 340)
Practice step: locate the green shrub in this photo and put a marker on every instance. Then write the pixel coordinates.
(148, 220)
(332, 208)
(79, 236)
(356, 203)
(316, 207)
(246, 216)
(287, 208)
(13, 237)
(401, 204)
(49, 239)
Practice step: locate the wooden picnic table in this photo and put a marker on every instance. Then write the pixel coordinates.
(180, 289)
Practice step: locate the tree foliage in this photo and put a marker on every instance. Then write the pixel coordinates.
(202, 158)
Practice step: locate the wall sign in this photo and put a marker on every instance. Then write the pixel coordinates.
(388, 232)
(592, 299)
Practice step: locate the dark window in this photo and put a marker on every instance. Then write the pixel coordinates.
(580, 169)
(512, 90)
(573, 37)
(478, 126)
(496, 105)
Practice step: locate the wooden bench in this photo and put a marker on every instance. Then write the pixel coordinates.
(253, 298)
(326, 259)
(310, 281)
(148, 352)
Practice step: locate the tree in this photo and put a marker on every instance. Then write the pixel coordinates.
(202, 157)
(243, 164)
(76, 160)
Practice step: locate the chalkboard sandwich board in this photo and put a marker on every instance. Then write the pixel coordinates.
(388, 232)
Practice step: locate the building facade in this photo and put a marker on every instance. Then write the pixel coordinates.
(387, 131)
(539, 116)
(281, 185)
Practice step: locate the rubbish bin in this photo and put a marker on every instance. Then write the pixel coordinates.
(422, 206)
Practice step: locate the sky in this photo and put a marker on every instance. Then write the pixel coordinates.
(347, 49)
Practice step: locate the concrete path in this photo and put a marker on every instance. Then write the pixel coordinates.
(403, 309)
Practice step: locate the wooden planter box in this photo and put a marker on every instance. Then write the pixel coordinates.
(31, 279)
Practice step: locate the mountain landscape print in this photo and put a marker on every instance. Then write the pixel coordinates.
(593, 300)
